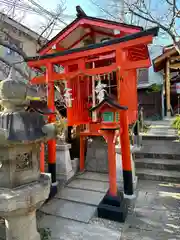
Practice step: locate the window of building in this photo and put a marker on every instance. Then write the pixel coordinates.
(143, 75)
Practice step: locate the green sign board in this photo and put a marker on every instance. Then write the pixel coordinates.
(108, 117)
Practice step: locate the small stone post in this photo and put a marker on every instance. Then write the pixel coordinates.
(64, 170)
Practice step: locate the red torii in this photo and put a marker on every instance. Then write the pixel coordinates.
(126, 54)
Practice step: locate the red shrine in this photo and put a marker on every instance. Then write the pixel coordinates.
(95, 57)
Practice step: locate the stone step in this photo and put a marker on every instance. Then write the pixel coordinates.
(142, 155)
(81, 196)
(161, 164)
(69, 210)
(158, 136)
(91, 185)
(102, 177)
(158, 175)
(159, 149)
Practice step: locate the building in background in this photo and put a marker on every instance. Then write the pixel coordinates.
(19, 35)
(150, 88)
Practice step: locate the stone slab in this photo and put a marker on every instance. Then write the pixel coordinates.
(162, 164)
(89, 185)
(154, 220)
(160, 201)
(161, 147)
(69, 210)
(81, 196)
(94, 176)
(63, 229)
(159, 175)
(136, 234)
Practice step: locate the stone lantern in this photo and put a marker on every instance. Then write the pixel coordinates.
(23, 188)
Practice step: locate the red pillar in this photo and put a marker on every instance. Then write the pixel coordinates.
(82, 153)
(51, 118)
(126, 154)
(109, 136)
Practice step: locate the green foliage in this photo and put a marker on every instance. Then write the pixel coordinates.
(45, 233)
(154, 88)
(176, 123)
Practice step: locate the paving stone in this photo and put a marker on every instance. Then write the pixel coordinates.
(153, 220)
(136, 234)
(71, 230)
(94, 176)
(82, 196)
(160, 200)
(89, 185)
(69, 210)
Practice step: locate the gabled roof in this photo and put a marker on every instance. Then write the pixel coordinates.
(151, 31)
(107, 99)
(92, 21)
(160, 61)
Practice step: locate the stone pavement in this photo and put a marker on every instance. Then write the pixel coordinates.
(154, 214)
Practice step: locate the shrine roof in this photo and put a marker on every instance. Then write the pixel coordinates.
(76, 29)
(151, 31)
(160, 61)
(107, 99)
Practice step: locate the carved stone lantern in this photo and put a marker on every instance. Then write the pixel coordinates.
(22, 188)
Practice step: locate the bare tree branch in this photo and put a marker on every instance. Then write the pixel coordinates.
(15, 68)
(143, 10)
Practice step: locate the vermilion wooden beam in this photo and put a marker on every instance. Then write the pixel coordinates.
(110, 26)
(95, 51)
(60, 48)
(137, 64)
(62, 76)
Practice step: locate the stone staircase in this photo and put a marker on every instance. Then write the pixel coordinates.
(159, 157)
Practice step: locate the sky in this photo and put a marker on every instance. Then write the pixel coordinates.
(34, 21)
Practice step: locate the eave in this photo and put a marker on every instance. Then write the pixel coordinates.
(91, 21)
(150, 32)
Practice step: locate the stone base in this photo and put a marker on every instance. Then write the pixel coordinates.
(113, 208)
(64, 169)
(65, 176)
(18, 208)
(53, 191)
(22, 227)
(75, 164)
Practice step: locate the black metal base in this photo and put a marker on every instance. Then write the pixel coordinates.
(53, 192)
(113, 208)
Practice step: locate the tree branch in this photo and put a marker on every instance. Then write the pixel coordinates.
(14, 49)
(24, 75)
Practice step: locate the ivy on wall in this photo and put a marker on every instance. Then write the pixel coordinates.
(154, 88)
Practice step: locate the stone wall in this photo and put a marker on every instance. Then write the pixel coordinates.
(97, 155)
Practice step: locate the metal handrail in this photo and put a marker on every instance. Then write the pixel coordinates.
(140, 125)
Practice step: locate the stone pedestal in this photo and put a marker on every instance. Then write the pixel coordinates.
(19, 164)
(119, 169)
(75, 164)
(22, 227)
(64, 170)
(138, 140)
(18, 207)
